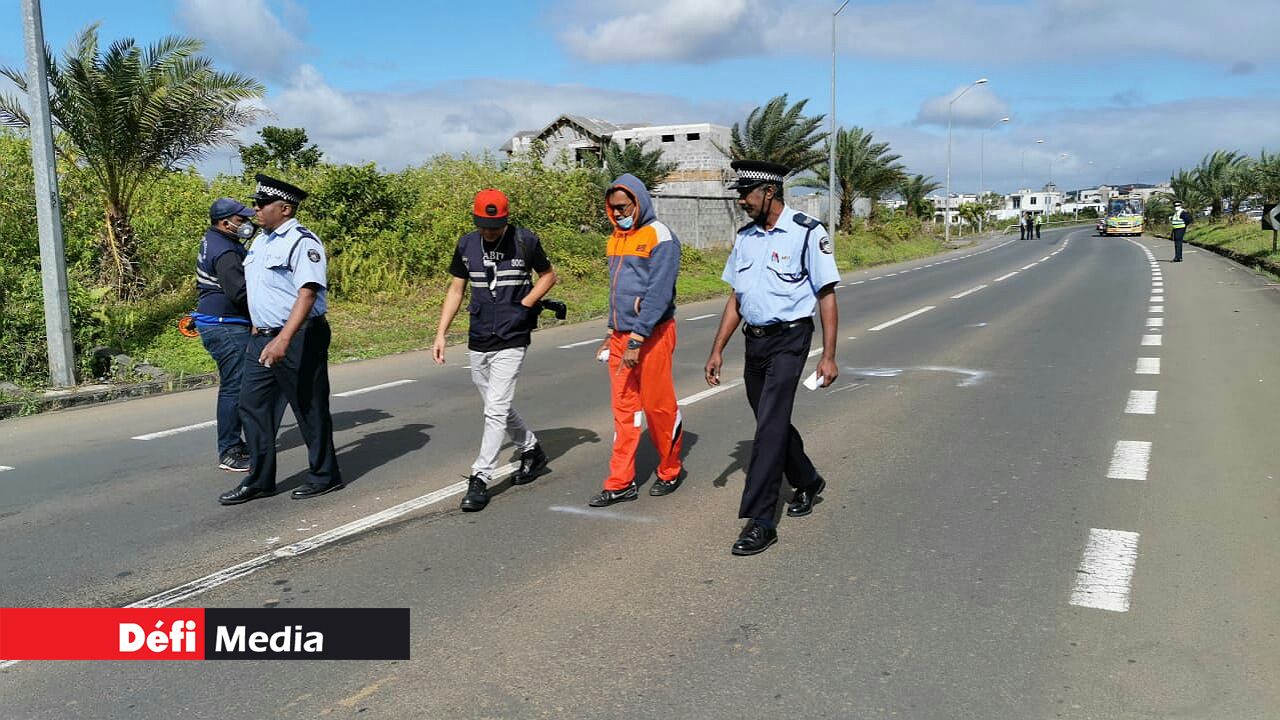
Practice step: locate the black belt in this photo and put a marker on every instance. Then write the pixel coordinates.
(273, 331)
(759, 331)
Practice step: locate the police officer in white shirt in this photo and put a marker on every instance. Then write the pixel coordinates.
(288, 353)
(781, 268)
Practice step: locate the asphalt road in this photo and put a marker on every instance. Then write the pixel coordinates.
(1033, 511)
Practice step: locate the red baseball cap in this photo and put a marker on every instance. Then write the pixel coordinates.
(490, 209)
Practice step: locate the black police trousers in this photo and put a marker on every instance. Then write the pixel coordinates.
(301, 379)
(774, 364)
(1178, 234)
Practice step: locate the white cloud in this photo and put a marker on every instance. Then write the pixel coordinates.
(473, 115)
(979, 107)
(247, 34)
(668, 30)
(990, 31)
(1126, 144)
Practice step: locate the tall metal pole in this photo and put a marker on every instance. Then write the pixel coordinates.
(982, 158)
(831, 139)
(53, 262)
(946, 215)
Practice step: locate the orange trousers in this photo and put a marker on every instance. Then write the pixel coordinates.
(644, 392)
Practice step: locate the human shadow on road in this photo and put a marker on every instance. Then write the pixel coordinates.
(556, 443)
(740, 458)
(292, 437)
(647, 457)
(360, 457)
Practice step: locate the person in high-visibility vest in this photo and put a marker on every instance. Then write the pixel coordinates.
(1179, 222)
(1039, 224)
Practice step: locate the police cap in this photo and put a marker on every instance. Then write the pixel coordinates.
(757, 172)
(270, 189)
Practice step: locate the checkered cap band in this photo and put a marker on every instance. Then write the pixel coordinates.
(759, 176)
(276, 192)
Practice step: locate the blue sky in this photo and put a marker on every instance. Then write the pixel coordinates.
(1139, 87)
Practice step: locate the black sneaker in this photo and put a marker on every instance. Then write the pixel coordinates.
(234, 460)
(477, 495)
(609, 497)
(532, 461)
(662, 487)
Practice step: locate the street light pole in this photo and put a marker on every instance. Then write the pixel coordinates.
(982, 156)
(1048, 195)
(53, 261)
(831, 139)
(947, 214)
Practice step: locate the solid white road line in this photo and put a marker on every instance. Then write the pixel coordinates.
(1141, 402)
(897, 320)
(579, 344)
(1105, 575)
(175, 431)
(373, 388)
(968, 292)
(1129, 461)
(1155, 340)
(226, 575)
(700, 317)
(1148, 366)
(1155, 322)
(1002, 278)
(708, 393)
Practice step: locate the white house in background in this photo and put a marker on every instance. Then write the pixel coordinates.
(1048, 200)
(701, 169)
(941, 206)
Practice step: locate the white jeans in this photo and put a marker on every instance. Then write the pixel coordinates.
(494, 374)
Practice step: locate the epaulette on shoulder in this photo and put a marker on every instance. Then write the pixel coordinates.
(746, 227)
(806, 221)
(304, 232)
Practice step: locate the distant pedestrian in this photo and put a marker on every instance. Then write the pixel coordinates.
(288, 352)
(644, 260)
(1022, 226)
(1039, 224)
(782, 267)
(222, 318)
(498, 259)
(1179, 222)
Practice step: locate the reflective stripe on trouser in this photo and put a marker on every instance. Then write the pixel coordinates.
(647, 388)
(774, 365)
(494, 374)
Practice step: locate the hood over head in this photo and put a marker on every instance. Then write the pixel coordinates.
(631, 185)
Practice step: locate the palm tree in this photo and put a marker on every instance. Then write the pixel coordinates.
(913, 190)
(1213, 176)
(1267, 176)
(130, 114)
(780, 134)
(1187, 190)
(864, 169)
(647, 165)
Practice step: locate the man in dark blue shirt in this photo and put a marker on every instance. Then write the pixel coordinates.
(222, 318)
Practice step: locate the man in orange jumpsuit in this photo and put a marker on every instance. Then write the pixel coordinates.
(644, 260)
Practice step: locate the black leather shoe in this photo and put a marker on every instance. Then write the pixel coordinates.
(609, 497)
(242, 494)
(662, 487)
(477, 496)
(754, 539)
(531, 463)
(307, 491)
(802, 502)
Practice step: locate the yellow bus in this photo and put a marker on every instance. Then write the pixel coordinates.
(1124, 216)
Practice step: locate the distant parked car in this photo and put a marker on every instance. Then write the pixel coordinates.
(1254, 214)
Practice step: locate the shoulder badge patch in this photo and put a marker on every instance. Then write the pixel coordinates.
(805, 220)
(314, 255)
(825, 246)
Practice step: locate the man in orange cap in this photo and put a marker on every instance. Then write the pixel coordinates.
(499, 260)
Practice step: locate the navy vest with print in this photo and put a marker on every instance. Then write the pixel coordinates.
(498, 284)
(212, 300)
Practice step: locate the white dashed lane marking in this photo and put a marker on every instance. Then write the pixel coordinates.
(1002, 278)
(902, 318)
(578, 344)
(5, 468)
(1130, 460)
(1155, 322)
(708, 393)
(1105, 576)
(1141, 402)
(1153, 340)
(697, 317)
(968, 292)
(1148, 366)
(373, 388)
(175, 431)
